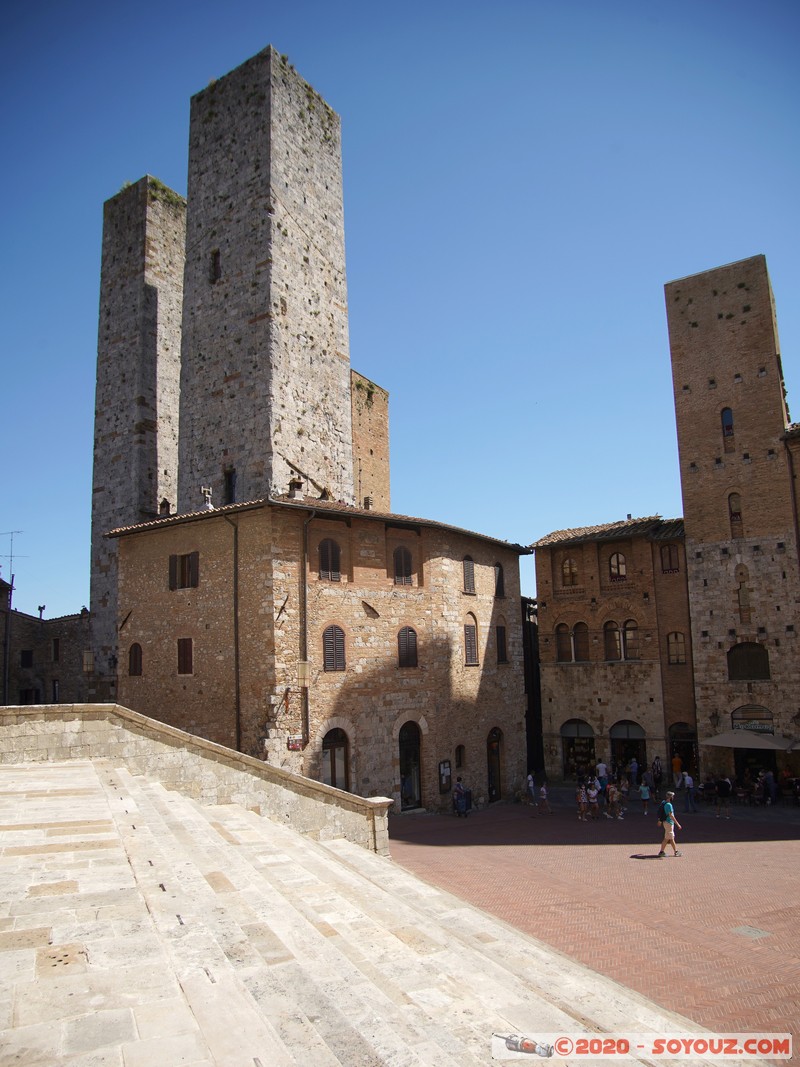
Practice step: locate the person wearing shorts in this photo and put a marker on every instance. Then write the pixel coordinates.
(669, 824)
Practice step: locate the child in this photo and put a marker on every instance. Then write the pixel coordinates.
(580, 797)
(644, 793)
(591, 796)
(544, 807)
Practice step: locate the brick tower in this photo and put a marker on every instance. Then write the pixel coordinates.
(265, 383)
(737, 458)
(138, 379)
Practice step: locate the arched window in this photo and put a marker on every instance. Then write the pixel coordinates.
(500, 640)
(727, 422)
(402, 566)
(676, 648)
(329, 561)
(617, 568)
(499, 580)
(333, 649)
(735, 515)
(135, 660)
(461, 757)
(748, 661)
(569, 572)
(471, 641)
(407, 647)
(580, 639)
(563, 643)
(469, 574)
(611, 641)
(670, 559)
(630, 640)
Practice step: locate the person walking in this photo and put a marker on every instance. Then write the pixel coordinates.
(669, 822)
(688, 785)
(530, 789)
(644, 794)
(544, 806)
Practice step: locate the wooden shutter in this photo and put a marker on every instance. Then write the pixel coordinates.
(470, 644)
(469, 575)
(407, 647)
(501, 645)
(173, 572)
(333, 649)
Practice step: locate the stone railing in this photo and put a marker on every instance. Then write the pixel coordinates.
(205, 771)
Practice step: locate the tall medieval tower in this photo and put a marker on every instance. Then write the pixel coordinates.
(223, 355)
(135, 471)
(265, 332)
(738, 456)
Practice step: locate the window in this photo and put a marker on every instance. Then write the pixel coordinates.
(563, 644)
(460, 756)
(184, 571)
(56, 649)
(185, 655)
(735, 515)
(407, 647)
(333, 649)
(471, 641)
(748, 661)
(469, 575)
(502, 652)
(569, 573)
(617, 568)
(499, 580)
(727, 422)
(611, 641)
(580, 637)
(229, 490)
(630, 640)
(26, 657)
(215, 269)
(330, 565)
(135, 661)
(402, 566)
(670, 560)
(676, 648)
(56, 691)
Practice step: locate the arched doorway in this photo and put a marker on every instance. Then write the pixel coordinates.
(627, 743)
(577, 748)
(336, 759)
(410, 784)
(753, 719)
(494, 744)
(683, 741)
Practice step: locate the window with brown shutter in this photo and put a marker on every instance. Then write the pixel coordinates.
(184, 571)
(333, 649)
(469, 574)
(407, 647)
(402, 566)
(330, 568)
(185, 665)
(471, 642)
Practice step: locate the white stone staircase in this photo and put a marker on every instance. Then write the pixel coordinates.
(248, 945)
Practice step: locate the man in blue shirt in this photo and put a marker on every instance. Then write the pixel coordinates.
(669, 822)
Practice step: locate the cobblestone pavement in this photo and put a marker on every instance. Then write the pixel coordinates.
(713, 934)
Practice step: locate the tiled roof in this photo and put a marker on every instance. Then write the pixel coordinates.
(654, 528)
(333, 507)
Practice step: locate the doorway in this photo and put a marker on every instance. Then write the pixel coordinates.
(410, 784)
(335, 759)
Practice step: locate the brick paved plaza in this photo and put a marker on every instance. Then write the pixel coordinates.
(713, 934)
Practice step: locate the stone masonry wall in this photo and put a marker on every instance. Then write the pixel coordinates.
(744, 580)
(265, 390)
(278, 603)
(138, 374)
(204, 771)
(370, 409)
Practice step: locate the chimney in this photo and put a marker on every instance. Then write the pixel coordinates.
(368, 503)
(295, 489)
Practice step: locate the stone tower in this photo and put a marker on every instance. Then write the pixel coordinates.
(265, 382)
(138, 379)
(737, 454)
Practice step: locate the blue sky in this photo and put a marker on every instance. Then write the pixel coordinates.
(521, 179)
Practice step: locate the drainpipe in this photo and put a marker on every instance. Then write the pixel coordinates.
(237, 691)
(305, 717)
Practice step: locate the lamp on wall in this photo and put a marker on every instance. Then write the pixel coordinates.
(714, 720)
